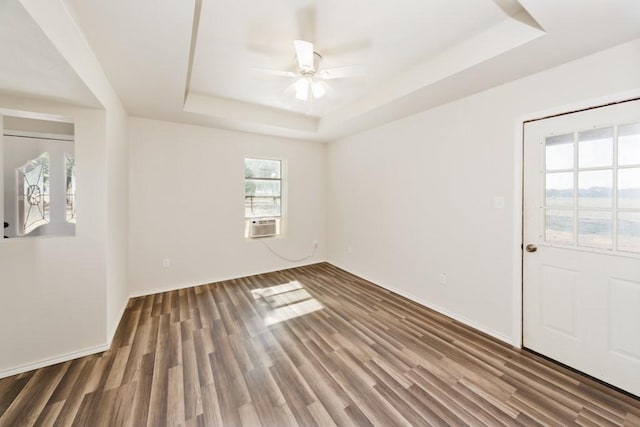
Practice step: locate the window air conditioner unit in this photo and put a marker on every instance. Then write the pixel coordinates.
(262, 228)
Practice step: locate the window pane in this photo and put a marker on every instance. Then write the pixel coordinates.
(595, 148)
(559, 152)
(629, 144)
(256, 207)
(257, 187)
(559, 226)
(629, 188)
(594, 229)
(260, 168)
(559, 189)
(629, 231)
(595, 189)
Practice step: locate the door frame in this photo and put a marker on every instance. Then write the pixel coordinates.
(518, 193)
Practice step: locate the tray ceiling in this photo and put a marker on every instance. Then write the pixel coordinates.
(196, 61)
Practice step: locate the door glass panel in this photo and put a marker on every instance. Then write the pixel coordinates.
(629, 231)
(33, 194)
(559, 189)
(629, 144)
(595, 229)
(629, 188)
(600, 170)
(595, 148)
(559, 226)
(70, 205)
(559, 152)
(595, 189)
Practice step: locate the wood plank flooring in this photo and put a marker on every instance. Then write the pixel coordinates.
(306, 346)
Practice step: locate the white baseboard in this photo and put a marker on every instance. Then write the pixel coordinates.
(68, 356)
(53, 360)
(455, 316)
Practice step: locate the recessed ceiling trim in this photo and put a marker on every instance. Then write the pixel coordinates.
(243, 111)
(503, 37)
(213, 83)
(192, 48)
(517, 28)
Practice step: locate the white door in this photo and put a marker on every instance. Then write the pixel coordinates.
(581, 267)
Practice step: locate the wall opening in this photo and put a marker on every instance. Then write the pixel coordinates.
(38, 176)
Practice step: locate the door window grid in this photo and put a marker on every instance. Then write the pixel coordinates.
(608, 213)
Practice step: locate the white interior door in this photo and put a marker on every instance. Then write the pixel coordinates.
(581, 267)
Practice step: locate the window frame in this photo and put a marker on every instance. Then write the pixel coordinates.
(615, 167)
(280, 219)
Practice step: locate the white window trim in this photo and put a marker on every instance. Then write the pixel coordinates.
(284, 193)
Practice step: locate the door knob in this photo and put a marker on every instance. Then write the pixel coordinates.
(531, 248)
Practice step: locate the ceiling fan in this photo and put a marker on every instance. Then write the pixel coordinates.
(310, 83)
(308, 61)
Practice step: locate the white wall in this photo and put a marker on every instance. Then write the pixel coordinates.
(415, 197)
(117, 157)
(52, 290)
(187, 204)
(56, 19)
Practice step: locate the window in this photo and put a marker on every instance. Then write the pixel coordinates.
(592, 188)
(262, 191)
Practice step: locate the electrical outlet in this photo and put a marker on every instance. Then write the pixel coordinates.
(442, 278)
(315, 244)
(166, 263)
(349, 249)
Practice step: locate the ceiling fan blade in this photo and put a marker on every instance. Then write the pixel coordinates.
(341, 72)
(330, 91)
(270, 72)
(304, 53)
(302, 87)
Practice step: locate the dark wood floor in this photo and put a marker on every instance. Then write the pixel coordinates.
(306, 346)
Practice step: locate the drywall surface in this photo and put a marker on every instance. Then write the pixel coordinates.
(56, 19)
(187, 205)
(117, 155)
(416, 198)
(52, 289)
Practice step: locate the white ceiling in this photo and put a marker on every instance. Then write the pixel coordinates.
(195, 61)
(237, 36)
(30, 65)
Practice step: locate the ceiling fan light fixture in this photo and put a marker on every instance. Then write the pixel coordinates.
(317, 90)
(302, 89)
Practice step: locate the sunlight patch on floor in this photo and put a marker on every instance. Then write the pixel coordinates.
(287, 301)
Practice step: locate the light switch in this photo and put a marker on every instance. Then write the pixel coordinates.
(498, 202)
